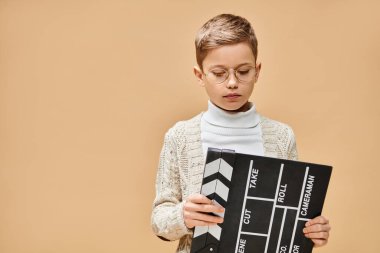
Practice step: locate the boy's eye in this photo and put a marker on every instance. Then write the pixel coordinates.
(219, 73)
(243, 71)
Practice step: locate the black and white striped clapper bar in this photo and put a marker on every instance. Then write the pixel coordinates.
(216, 182)
(267, 202)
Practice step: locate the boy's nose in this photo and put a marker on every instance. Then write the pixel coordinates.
(232, 81)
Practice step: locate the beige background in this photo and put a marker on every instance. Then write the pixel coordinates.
(88, 89)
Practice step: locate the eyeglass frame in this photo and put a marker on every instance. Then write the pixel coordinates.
(228, 70)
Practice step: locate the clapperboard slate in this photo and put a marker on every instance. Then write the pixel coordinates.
(267, 203)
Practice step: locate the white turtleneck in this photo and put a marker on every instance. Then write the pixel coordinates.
(239, 131)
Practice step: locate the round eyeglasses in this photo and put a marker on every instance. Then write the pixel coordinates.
(243, 74)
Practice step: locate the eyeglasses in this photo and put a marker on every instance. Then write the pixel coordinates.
(243, 74)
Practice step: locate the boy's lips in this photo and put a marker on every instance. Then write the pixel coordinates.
(232, 95)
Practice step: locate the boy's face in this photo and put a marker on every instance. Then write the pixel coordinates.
(237, 62)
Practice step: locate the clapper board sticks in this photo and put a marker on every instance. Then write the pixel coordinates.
(267, 203)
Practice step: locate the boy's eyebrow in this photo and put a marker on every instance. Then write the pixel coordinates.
(235, 67)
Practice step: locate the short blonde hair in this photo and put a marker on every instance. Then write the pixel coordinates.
(221, 30)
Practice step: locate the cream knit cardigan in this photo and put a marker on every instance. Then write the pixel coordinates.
(180, 172)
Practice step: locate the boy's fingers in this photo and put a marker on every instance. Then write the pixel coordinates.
(317, 220)
(318, 235)
(317, 228)
(199, 198)
(205, 208)
(202, 217)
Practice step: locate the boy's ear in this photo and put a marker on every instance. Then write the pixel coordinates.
(258, 68)
(199, 75)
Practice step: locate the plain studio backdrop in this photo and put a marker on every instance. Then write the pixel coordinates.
(88, 89)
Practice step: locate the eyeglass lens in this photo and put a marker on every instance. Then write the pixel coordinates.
(243, 74)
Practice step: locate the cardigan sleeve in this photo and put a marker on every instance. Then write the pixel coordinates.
(292, 147)
(167, 215)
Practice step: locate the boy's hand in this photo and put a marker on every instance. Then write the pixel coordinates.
(196, 209)
(317, 230)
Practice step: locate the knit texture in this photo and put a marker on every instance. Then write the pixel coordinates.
(180, 172)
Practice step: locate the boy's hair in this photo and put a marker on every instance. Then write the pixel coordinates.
(224, 29)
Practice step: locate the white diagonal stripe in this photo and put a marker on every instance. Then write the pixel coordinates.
(221, 190)
(215, 231)
(200, 230)
(209, 188)
(215, 186)
(225, 169)
(211, 168)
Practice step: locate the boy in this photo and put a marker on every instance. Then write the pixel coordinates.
(226, 52)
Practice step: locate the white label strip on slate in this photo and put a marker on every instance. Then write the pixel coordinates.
(287, 207)
(282, 227)
(257, 234)
(299, 207)
(243, 207)
(263, 199)
(274, 207)
(304, 219)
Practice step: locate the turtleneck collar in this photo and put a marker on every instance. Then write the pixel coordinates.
(219, 117)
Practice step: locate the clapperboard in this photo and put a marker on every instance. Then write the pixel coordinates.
(267, 203)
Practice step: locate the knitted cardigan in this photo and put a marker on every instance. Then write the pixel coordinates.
(180, 172)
